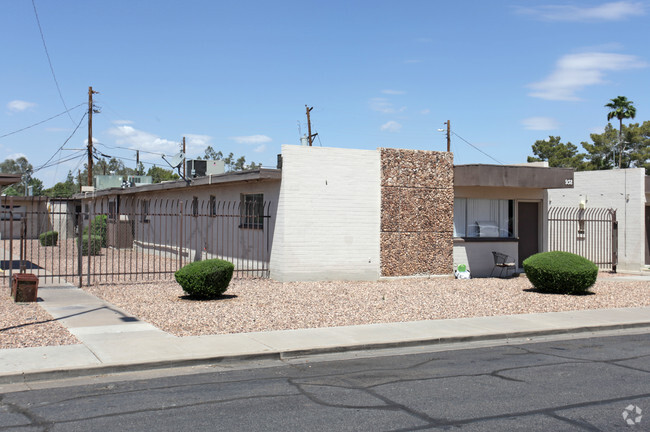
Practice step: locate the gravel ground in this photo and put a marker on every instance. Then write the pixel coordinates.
(260, 304)
(28, 325)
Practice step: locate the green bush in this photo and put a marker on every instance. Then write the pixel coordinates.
(49, 238)
(205, 279)
(95, 245)
(98, 228)
(560, 272)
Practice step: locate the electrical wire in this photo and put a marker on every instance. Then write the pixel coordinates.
(50, 61)
(62, 145)
(42, 121)
(62, 161)
(131, 149)
(472, 145)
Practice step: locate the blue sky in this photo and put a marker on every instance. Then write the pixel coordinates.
(237, 75)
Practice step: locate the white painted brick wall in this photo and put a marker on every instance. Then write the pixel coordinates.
(623, 190)
(328, 217)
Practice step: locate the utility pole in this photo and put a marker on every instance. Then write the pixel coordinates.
(184, 162)
(90, 135)
(310, 137)
(137, 162)
(448, 123)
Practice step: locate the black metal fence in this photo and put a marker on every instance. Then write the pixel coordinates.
(591, 233)
(118, 239)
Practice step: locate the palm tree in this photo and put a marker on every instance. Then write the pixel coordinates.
(621, 108)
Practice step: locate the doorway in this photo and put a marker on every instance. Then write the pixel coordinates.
(528, 229)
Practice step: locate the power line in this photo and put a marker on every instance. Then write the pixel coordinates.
(469, 143)
(62, 145)
(41, 122)
(77, 156)
(50, 61)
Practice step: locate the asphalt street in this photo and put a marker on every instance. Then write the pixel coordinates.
(583, 384)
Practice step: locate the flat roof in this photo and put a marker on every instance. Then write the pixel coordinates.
(9, 179)
(262, 174)
(515, 176)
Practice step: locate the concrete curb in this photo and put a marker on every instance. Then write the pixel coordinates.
(84, 371)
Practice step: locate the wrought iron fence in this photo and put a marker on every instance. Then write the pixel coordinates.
(116, 239)
(591, 233)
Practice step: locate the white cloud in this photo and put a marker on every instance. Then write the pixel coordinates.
(391, 126)
(613, 11)
(136, 139)
(19, 105)
(393, 92)
(16, 156)
(540, 123)
(576, 71)
(251, 139)
(382, 105)
(122, 122)
(425, 111)
(260, 148)
(198, 140)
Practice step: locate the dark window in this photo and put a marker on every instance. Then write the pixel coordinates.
(213, 205)
(145, 211)
(252, 211)
(195, 206)
(112, 210)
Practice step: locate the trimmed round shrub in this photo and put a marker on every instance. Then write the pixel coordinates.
(95, 245)
(49, 238)
(98, 228)
(205, 279)
(560, 272)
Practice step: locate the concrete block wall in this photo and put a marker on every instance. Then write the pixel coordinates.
(328, 216)
(417, 201)
(623, 190)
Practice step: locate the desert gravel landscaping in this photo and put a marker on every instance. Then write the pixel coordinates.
(252, 305)
(25, 325)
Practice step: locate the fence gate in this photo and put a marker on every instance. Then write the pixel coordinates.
(130, 238)
(591, 233)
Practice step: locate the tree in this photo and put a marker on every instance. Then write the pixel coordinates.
(62, 189)
(21, 166)
(621, 108)
(231, 164)
(160, 174)
(557, 154)
(634, 150)
(104, 167)
(601, 152)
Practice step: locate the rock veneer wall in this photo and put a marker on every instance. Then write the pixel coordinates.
(417, 212)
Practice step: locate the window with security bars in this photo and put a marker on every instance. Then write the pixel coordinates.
(252, 211)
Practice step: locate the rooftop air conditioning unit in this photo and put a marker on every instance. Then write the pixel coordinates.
(201, 168)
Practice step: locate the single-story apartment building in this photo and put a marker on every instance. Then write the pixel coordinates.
(348, 214)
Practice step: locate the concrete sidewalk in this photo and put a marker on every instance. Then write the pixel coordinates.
(114, 341)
